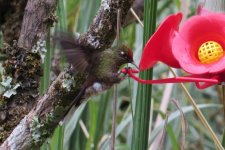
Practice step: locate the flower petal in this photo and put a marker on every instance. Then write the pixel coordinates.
(158, 47)
(196, 31)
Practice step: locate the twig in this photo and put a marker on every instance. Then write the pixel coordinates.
(183, 124)
(113, 134)
(163, 134)
(84, 129)
(118, 27)
(136, 16)
(223, 100)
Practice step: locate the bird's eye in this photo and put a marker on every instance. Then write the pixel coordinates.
(122, 53)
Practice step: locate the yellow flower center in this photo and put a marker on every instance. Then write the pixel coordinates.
(210, 52)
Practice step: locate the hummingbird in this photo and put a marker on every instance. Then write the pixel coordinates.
(101, 66)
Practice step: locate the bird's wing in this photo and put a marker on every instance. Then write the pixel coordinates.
(75, 54)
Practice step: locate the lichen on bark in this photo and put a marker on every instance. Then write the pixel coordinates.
(100, 35)
(24, 67)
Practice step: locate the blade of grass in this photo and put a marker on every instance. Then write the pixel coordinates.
(2, 56)
(103, 103)
(223, 140)
(77, 140)
(172, 136)
(57, 139)
(61, 12)
(143, 101)
(72, 9)
(45, 146)
(183, 124)
(45, 81)
(1, 39)
(113, 132)
(62, 23)
(87, 12)
(91, 122)
(71, 125)
(47, 65)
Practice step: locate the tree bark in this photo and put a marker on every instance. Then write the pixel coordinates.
(44, 117)
(22, 65)
(11, 16)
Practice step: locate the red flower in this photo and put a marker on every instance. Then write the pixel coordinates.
(198, 47)
(159, 46)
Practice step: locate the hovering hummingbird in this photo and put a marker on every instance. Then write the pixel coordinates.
(101, 66)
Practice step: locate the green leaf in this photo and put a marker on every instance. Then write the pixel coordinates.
(143, 101)
(57, 140)
(61, 12)
(71, 125)
(223, 140)
(172, 136)
(103, 102)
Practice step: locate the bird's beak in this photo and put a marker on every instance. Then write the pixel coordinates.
(135, 65)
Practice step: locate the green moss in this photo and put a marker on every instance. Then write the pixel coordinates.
(2, 101)
(38, 130)
(42, 129)
(1, 136)
(71, 82)
(55, 115)
(24, 68)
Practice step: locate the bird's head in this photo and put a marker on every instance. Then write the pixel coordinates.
(125, 54)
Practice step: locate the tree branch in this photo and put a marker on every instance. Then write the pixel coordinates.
(45, 116)
(22, 65)
(38, 16)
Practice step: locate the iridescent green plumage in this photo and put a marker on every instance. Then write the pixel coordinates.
(109, 63)
(101, 66)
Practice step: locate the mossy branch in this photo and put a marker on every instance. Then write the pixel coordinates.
(50, 108)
